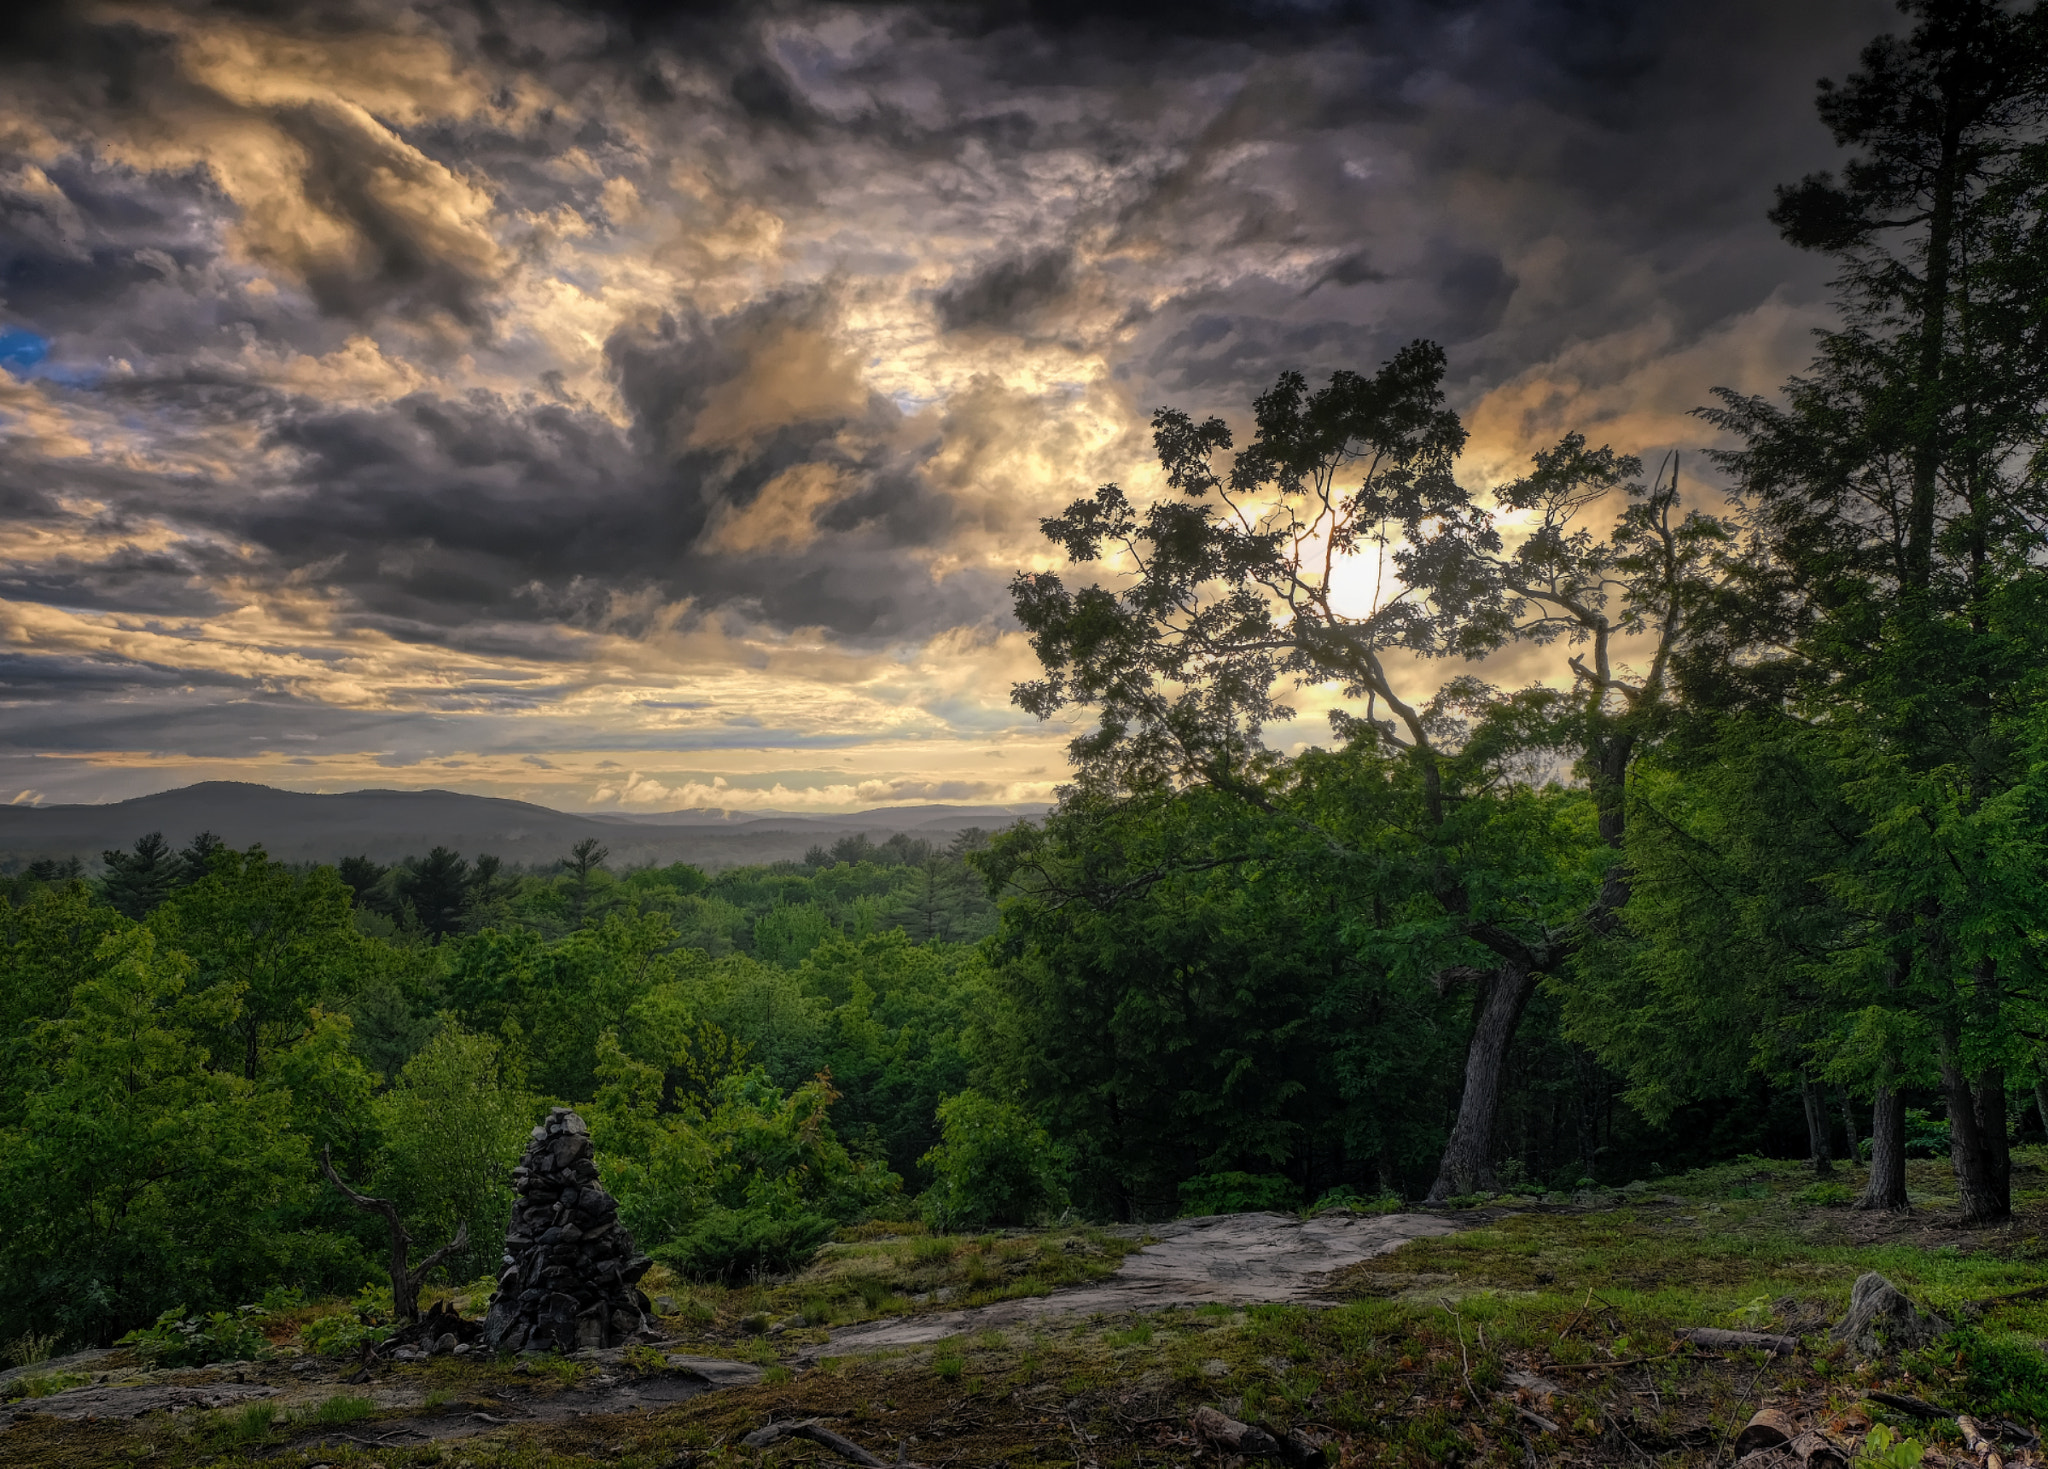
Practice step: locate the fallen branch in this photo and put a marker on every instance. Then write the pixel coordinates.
(1916, 1407)
(774, 1433)
(2033, 1293)
(1714, 1336)
(1627, 1362)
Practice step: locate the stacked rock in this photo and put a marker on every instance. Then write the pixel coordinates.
(569, 1273)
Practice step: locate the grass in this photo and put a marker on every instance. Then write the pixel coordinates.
(889, 1269)
(342, 1409)
(1420, 1357)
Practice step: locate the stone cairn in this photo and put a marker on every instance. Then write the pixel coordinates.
(569, 1273)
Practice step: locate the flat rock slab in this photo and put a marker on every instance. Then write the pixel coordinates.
(1231, 1259)
(717, 1371)
(643, 1395)
(132, 1400)
(74, 1362)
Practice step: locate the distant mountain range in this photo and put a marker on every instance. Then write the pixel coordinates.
(389, 825)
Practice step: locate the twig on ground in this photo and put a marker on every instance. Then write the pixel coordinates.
(1628, 1362)
(1576, 1314)
(1742, 1402)
(817, 1433)
(1463, 1358)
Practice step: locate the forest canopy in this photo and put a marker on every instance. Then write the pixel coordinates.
(1755, 864)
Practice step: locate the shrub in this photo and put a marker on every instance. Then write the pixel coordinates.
(1826, 1195)
(1235, 1193)
(732, 1245)
(2003, 1372)
(339, 1335)
(993, 1165)
(178, 1340)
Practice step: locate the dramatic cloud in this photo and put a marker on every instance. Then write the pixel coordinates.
(620, 404)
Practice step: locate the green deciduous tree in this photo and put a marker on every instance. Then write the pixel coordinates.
(1336, 538)
(139, 1177)
(283, 940)
(993, 1165)
(452, 1125)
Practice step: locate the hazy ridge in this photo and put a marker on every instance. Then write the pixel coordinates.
(388, 825)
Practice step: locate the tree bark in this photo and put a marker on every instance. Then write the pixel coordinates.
(1850, 1136)
(2041, 1102)
(1588, 1119)
(1977, 1177)
(1887, 1187)
(406, 1279)
(1817, 1149)
(1468, 1158)
(1992, 1129)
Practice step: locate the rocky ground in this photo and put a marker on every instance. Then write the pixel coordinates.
(1512, 1334)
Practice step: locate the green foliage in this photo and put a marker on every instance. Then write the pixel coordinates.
(283, 940)
(139, 1175)
(1883, 1449)
(1237, 1193)
(995, 1165)
(453, 1123)
(1926, 1136)
(340, 1333)
(178, 1340)
(785, 934)
(30, 1348)
(734, 1245)
(1827, 1195)
(343, 1409)
(2003, 1372)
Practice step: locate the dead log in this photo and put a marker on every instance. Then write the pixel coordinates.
(1253, 1442)
(1817, 1451)
(1900, 1402)
(405, 1279)
(1235, 1437)
(1766, 1429)
(1714, 1336)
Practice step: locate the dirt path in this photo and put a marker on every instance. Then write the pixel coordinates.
(1230, 1258)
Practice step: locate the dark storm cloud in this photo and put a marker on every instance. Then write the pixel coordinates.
(1187, 198)
(432, 511)
(1008, 294)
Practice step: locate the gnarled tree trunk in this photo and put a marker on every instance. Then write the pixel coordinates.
(1468, 1159)
(1887, 1187)
(406, 1278)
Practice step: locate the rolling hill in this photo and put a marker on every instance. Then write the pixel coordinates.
(389, 825)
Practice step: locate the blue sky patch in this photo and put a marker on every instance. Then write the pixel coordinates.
(21, 349)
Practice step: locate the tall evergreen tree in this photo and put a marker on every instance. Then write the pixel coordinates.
(137, 881)
(1898, 508)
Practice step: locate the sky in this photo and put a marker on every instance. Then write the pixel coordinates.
(633, 407)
